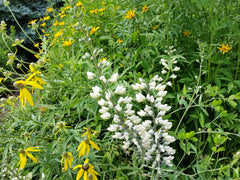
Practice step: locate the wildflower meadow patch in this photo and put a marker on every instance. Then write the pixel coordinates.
(135, 90)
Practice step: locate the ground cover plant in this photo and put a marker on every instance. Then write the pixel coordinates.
(124, 90)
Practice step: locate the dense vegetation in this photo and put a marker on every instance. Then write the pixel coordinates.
(123, 90)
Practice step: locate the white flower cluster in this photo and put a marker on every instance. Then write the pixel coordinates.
(143, 125)
(168, 65)
(15, 174)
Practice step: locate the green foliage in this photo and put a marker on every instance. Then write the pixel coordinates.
(204, 97)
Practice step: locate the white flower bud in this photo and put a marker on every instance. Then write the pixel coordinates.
(141, 113)
(120, 90)
(90, 75)
(103, 79)
(163, 71)
(106, 115)
(113, 78)
(140, 97)
(102, 102)
(103, 110)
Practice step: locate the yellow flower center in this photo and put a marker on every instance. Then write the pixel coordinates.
(65, 154)
(18, 85)
(90, 176)
(22, 151)
(61, 125)
(86, 141)
(85, 166)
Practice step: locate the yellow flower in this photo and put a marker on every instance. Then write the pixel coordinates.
(24, 93)
(155, 27)
(68, 159)
(86, 171)
(58, 34)
(17, 42)
(36, 45)
(94, 11)
(46, 18)
(55, 23)
(102, 9)
(79, 4)
(62, 16)
(103, 59)
(145, 8)
(187, 33)
(68, 43)
(88, 132)
(67, 7)
(32, 21)
(37, 56)
(49, 9)
(61, 23)
(94, 29)
(36, 78)
(23, 153)
(43, 24)
(130, 14)
(103, 3)
(224, 48)
(84, 146)
(119, 41)
(61, 126)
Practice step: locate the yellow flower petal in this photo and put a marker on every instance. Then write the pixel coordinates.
(31, 157)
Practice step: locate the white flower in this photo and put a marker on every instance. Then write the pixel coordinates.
(118, 108)
(147, 124)
(102, 102)
(147, 109)
(135, 119)
(106, 115)
(162, 93)
(167, 160)
(103, 79)
(95, 95)
(160, 87)
(163, 71)
(43, 176)
(90, 75)
(150, 98)
(170, 150)
(176, 68)
(120, 90)
(141, 113)
(117, 135)
(140, 97)
(108, 95)
(155, 78)
(116, 119)
(96, 89)
(138, 86)
(128, 123)
(152, 84)
(173, 76)
(113, 78)
(121, 99)
(103, 110)
(169, 83)
(113, 128)
(127, 99)
(126, 144)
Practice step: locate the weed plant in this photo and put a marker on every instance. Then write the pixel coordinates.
(132, 90)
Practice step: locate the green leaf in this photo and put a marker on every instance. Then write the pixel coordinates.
(134, 36)
(230, 87)
(233, 104)
(201, 119)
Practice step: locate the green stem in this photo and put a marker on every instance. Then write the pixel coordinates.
(20, 25)
(238, 58)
